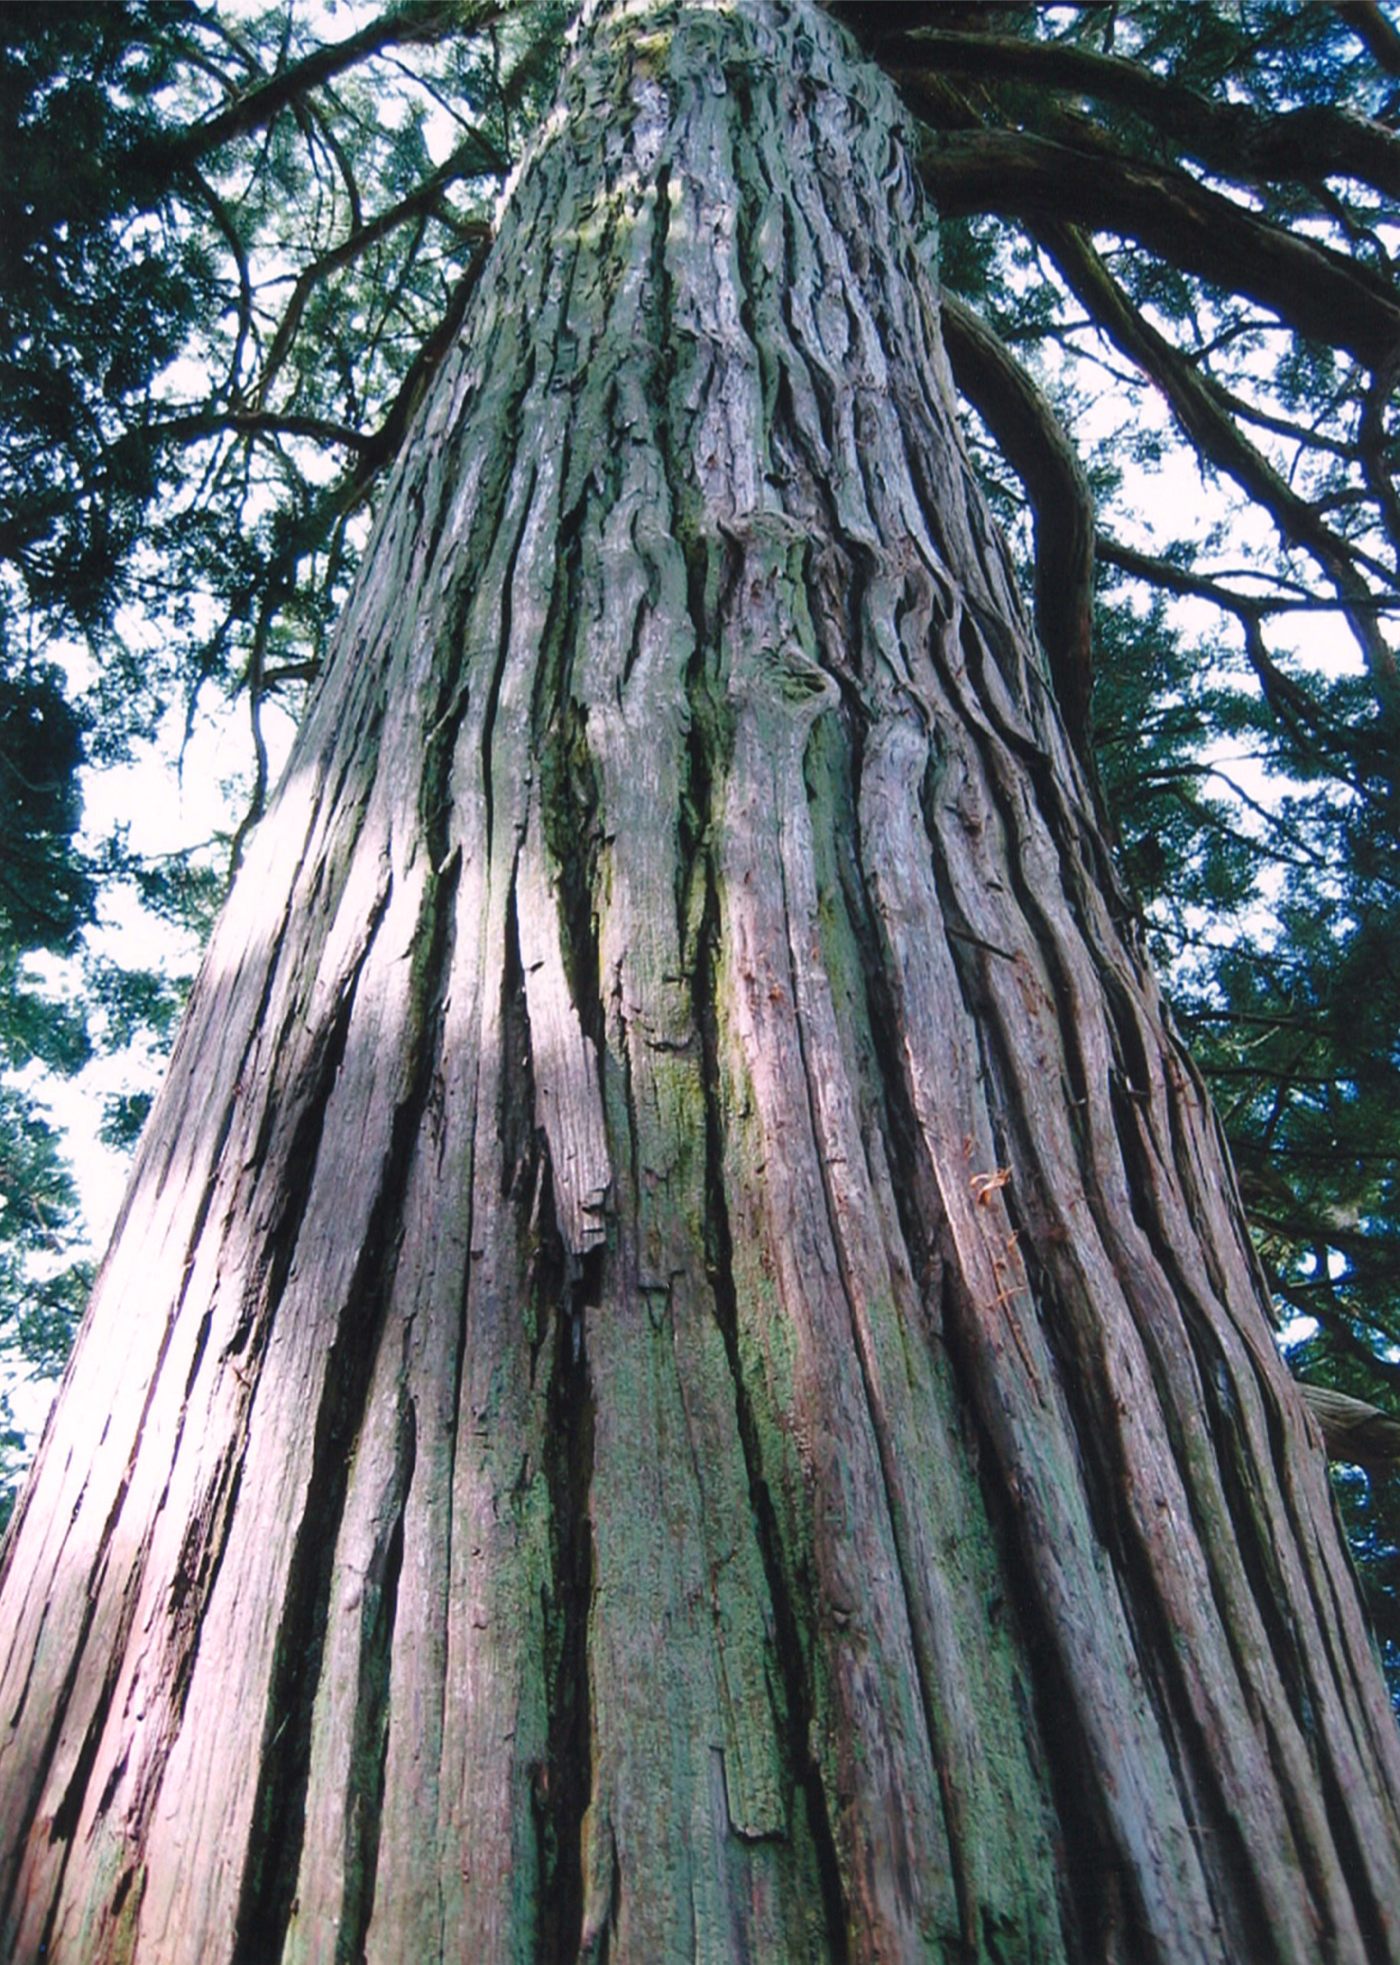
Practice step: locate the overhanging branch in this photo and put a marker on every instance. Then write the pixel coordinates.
(1037, 448)
(1319, 292)
(1230, 137)
(475, 153)
(1207, 422)
(1373, 30)
(416, 21)
(1352, 1430)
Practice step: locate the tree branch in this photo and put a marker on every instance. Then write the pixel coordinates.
(1351, 1430)
(415, 21)
(1037, 448)
(253, 423)
(223, 219)
(1373, 30)
(1319, 292)
(1373, 445)
(382, 445)
(1211, 428)
(416, 202)
(1229, 137)
(1198, 586)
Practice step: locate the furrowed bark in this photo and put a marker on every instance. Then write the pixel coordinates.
(681, 1376)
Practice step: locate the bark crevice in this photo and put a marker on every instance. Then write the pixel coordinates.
(563, 1785)
(369, 1745)
(268, 1889)
(791, 1656)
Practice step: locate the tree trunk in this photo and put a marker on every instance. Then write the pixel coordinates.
(681, 1375)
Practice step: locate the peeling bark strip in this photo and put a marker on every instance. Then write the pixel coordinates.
(681, 1377)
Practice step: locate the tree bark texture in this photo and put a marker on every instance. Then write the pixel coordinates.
(681, 1376)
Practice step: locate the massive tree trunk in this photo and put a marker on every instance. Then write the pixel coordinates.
(681, 1376)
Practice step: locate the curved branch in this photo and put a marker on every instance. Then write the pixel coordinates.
(1373, 30)
(1037, 448)
(415, 21)
(324, 133)
(1351, 1430)
(257, 688)
(1193, 401)
(413, 205)
(1230, 137)
(382, 445)
(253, 423)
(1373, 445)
(1305, 436)
(1181, 580)
(223, 219)
(22, 529)
(1319, 292)
(1305, 719)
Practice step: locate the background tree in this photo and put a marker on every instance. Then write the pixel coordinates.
(1298, 1019)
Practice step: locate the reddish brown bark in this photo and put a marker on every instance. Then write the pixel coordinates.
(682, 1376)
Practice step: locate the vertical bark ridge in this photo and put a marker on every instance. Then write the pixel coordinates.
(1022, 1418)
(840, 407)
(1013, 1075)
(170, 1672)
(564, 1780)
(1185, 1294)
(200, 1215)
(792, 1655)
(274, 1845)
(365, 1784)
(930, 1591)
(1049, 938)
